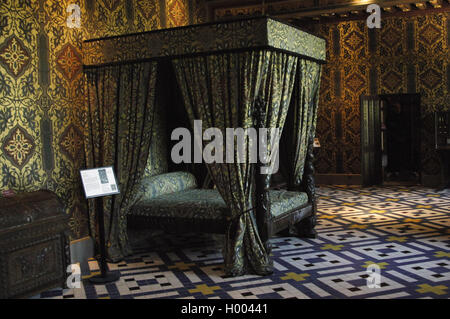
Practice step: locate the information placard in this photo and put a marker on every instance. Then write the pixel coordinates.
(99, 182)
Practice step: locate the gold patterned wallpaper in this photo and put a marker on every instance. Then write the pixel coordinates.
(409, 54)
(42, 89)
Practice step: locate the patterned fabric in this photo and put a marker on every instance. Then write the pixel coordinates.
(118, 133)
(248, 34)
(191, 203)
(208, 204)
(169, 183)
(158, 160)
(221, 91)
(301, 124)
(282, 201)
(289, 38)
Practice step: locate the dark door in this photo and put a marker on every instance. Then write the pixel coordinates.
(371, 168)
(402, 138)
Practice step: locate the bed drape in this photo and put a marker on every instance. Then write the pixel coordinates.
(119, 121)
(221, 90)
(300, 126)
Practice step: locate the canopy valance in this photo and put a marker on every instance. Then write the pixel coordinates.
(248, 34)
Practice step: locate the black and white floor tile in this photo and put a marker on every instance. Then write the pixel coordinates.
(401, 232)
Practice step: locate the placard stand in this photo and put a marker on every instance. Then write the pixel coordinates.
(105, 276)
(99, 182)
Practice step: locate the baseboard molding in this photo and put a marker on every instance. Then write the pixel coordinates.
(338, 179)
(356, 179)
(431, 180)
(80, 251)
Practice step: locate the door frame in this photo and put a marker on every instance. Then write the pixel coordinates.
(370, 140)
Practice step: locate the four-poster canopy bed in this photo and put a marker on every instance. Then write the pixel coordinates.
(256, 72)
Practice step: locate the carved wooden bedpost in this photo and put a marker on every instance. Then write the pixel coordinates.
(263, 215)
(305, 228)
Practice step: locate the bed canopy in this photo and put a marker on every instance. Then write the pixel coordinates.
(256, 72)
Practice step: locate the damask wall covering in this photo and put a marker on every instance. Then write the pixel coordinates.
(42, 89)
(409, 54)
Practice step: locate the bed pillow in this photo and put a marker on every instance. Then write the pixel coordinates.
(154, 186)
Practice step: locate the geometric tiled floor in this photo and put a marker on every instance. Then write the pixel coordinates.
(405, 231)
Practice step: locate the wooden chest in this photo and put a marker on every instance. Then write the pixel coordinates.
(34, 250)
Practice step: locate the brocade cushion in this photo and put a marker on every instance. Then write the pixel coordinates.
(168, 183)
(191, 203)
(282, 201)
(208, 204)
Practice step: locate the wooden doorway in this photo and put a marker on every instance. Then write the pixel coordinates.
(390, 139)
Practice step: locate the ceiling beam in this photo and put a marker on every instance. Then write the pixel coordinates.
(421, 5)
(317, 8)
(404, 7)
(436, 3)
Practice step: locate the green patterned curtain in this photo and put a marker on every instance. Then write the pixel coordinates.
(221, 90)
(119, 122)
(300, 126)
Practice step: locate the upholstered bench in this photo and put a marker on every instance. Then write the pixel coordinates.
(173, 202)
